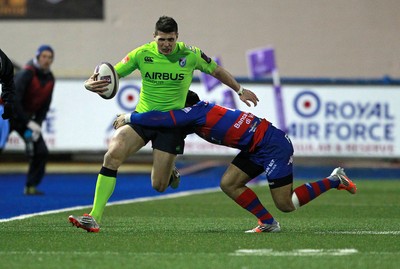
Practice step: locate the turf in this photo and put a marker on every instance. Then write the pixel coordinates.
(338, 230)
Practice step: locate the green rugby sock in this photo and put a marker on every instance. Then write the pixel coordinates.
(104, 189)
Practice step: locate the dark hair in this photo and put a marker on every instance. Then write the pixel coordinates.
(166, 24)
(191, 98)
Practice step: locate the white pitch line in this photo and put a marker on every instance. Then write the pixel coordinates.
(240, 252)
(362, 232)
(129, 201)
(295, 252)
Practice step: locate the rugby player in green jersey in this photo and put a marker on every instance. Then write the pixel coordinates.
(166, 67)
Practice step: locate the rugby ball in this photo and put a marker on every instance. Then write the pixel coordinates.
(107, 72)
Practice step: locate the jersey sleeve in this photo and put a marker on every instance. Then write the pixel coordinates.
(204, 63)
(128, 64)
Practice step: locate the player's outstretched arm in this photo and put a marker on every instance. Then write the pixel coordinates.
(225, 77)
(152, 119)
(174, 118)
(246, 95)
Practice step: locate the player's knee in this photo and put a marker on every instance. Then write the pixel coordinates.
(112, 160)
(285, 206)
(226, 187)
(223, 186)
(159, 185)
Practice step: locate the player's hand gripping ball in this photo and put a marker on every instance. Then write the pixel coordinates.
(107, 72)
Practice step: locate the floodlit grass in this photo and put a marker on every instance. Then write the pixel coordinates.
(338, 230)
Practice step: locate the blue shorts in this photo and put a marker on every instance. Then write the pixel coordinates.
(274, 156)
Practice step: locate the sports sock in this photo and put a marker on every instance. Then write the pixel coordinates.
(309, 191)
(249, 201)
(105, 185)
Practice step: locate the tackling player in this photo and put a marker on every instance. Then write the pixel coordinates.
(264, 148)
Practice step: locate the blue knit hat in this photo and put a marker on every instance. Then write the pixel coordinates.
(43, 48)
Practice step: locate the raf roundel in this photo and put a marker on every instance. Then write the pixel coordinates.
(107, 72)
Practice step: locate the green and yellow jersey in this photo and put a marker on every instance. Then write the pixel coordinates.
(165, 78)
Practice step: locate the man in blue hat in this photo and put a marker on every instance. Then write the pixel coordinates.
(34, 86)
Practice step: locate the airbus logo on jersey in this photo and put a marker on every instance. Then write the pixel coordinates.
(164, 76)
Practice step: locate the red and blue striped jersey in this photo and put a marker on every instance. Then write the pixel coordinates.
(214, 123)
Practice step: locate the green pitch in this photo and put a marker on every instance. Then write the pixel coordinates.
(338, 230)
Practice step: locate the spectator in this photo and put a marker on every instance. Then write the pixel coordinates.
(34, 86)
